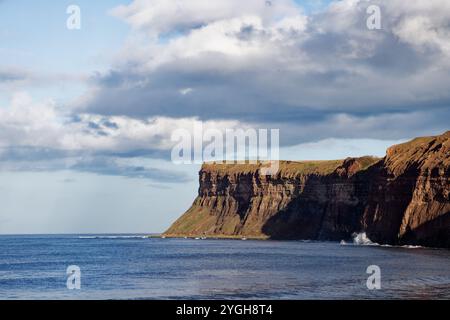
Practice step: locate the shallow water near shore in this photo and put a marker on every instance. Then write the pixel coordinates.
(137, 267)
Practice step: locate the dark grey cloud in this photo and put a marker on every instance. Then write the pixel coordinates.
(279, 95)
(108, 166)
(387, 126)
(29, 153)
(11, 76)
(108, 163)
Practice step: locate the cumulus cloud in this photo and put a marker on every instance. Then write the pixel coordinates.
(40, 136)
(26, 123)
(272, 63)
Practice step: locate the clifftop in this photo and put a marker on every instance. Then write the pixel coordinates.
(423, 153)
(296, 168)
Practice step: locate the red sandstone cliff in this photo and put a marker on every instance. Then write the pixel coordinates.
(410, 202)
(400, 199)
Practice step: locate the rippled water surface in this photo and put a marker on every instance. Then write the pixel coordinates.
(134, 267)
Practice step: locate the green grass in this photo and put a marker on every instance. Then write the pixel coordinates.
(288, 168)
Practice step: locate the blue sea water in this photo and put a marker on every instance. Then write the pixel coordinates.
(135, 267)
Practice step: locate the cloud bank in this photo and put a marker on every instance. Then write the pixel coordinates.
(262, 64)
(268, 62)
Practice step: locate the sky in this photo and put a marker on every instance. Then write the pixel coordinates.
(86, 115)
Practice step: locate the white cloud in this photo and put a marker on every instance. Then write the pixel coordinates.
(185, 91)
(424, 32)
(160, 16)
(41, 124)
(23, 122)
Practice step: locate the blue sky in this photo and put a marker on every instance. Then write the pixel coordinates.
(86, 115)
(36, 30)
(35, 39)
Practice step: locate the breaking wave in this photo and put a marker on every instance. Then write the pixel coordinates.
(361, 239)
(113, 237)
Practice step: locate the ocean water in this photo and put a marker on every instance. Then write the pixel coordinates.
(135, 267)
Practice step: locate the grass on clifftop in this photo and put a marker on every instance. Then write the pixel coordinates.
(288, 168)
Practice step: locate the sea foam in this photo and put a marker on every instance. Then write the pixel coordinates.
(113, 237)
(361, 239)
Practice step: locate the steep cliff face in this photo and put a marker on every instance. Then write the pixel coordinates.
(409, 199)
(402, 198)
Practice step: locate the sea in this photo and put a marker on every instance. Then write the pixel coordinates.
(119, 266)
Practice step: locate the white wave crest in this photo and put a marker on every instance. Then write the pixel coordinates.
(362, 239)
(113, 237)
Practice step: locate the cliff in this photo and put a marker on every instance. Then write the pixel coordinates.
(402, 198)
(410, 196)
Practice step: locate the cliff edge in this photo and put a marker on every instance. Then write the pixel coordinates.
(402, 198)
